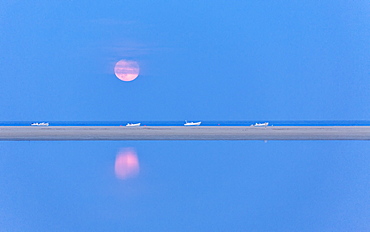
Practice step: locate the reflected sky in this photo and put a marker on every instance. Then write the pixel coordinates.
(185, 185)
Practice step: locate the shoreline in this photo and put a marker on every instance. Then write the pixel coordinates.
(96, 133)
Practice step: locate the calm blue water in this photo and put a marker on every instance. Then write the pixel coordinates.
(204, 123)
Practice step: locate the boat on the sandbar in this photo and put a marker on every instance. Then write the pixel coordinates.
(192, 123)
(261, 124)
(40, 124)
(133, 124)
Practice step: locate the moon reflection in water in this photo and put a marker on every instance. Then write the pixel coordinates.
(127, 164)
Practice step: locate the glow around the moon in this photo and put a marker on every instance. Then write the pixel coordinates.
(127, 70)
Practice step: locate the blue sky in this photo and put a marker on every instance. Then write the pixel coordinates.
(219, 60)
(199, 60)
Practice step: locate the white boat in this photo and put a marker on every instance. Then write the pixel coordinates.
(261, 124)
(40, 124)
(133, 124)
(192, 123)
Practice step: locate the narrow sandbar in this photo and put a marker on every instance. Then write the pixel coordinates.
(29, 133)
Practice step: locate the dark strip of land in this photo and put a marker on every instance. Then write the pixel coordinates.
(39, 133)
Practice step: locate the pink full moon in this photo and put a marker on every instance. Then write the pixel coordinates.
(126, 70)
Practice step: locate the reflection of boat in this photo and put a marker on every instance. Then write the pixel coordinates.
(192, 123)
(40, 124)
(133, 124)
(261, 124)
